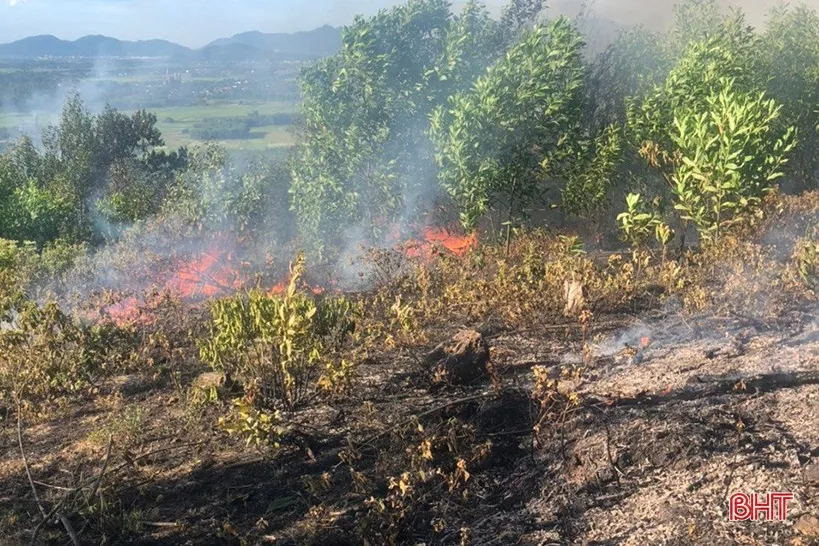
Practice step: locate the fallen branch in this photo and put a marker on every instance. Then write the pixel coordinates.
(169, 524)
(104, 468)
(54, 511)
(46, 519)
(97, 483)
(25, 461)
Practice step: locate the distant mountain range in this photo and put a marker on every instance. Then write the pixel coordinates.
(246, 46)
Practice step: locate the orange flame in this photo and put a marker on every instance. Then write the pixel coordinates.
(280, 288)
(214, 274)
(208, 275)
(127, 312)
(440, 237)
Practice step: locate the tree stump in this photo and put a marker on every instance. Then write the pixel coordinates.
(573, 292)
(461, 360)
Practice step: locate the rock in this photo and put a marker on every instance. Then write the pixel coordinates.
(808, 525)
(812, 474)
(462, 360)
(129, 385)
(209, 380)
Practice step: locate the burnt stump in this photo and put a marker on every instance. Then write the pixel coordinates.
(461, 360)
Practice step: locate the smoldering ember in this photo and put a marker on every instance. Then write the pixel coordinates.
(449, 274)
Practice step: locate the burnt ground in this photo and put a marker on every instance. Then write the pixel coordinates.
(649, 455)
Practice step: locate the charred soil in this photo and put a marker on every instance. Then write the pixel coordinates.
(633, 451)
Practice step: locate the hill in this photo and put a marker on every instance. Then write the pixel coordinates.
(249, 45)
(320, 42)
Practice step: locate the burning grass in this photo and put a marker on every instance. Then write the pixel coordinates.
(337, 388)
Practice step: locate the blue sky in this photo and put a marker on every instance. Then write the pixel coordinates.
(197, 22)
(189, 22)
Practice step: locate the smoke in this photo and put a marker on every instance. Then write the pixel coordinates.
(630, 336)
(658, 14)
(93, 79)
(130, 265)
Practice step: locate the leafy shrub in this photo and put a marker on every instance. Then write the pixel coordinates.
(125, 427)
(255, 426)
(637, 222)
(42, 353)
(47, 354)
(494, 141)
(806, 259)
(365, 109)
(712, 134)
(26, 273)
(213, 194)
(790, 60)
(729, 157)
(519, 287)
(15, 265)
(275, 345)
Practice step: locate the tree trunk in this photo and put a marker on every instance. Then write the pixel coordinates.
(511, 210)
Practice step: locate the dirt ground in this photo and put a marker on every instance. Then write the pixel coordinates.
(650, 455)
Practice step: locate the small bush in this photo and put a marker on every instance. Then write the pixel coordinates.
(45, 354)
(275, 345)
(126, 428)
(806, 261)
(41, 354)
(253, 425)
(521, 286)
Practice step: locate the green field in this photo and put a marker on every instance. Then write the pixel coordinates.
(174, 122)
(11, 120)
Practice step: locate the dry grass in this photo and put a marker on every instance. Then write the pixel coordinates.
(393, 455)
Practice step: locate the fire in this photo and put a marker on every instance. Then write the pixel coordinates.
(208, 275)
(214, 273)
(127, 312)
(440, 237)
(280, 288)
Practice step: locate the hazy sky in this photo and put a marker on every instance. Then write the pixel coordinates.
(196, 22)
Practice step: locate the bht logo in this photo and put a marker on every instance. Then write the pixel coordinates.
(744, 507)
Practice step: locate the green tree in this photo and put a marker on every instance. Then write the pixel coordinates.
(365, 158)
(364, 138)
(517, 15)
(589, 173)
(789, 49)
(711, 133)
(89, 164)
(213, 195)
(694, 21)
(729, 54)
(497, 142)
(727, 157)
(31, 209)
(474, 41)
(629, 67)
(72, 147)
